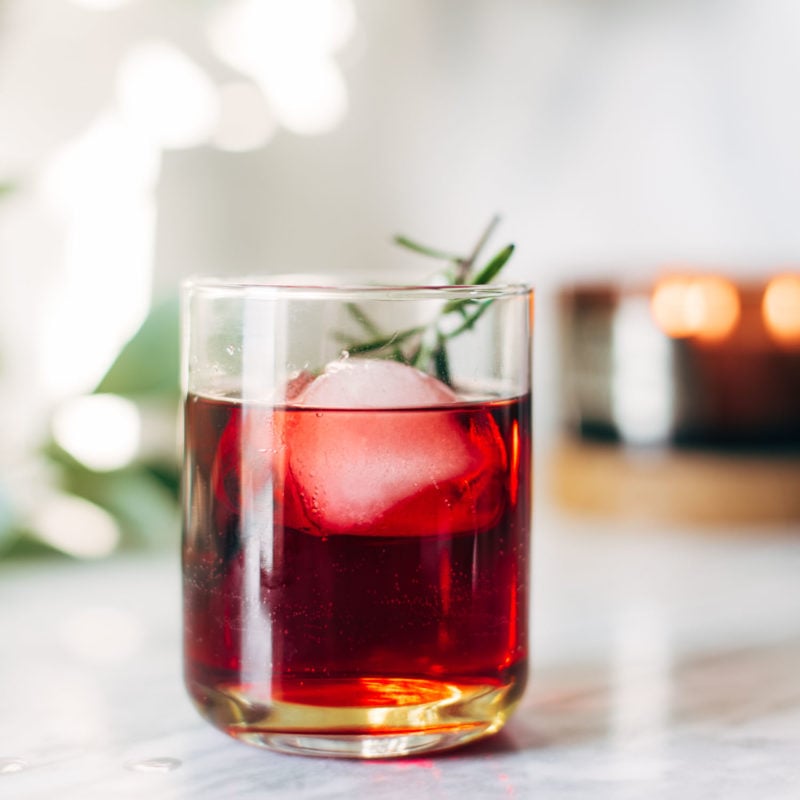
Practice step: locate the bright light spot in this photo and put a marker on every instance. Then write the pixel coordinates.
(641, 378)
(706, 307)
(250, 33)
(310, 98)
(781, 308)
(103, 634)
(102, 431)
(244, 119)
(287, 48)
(668, 306)
(100, 5)
(165, 96)
(101, 185)
(75, 526)
(104, 163)
(712, 307)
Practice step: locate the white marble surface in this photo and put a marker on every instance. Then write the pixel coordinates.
(667, 664)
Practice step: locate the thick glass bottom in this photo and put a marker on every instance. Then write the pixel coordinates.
(365, 717)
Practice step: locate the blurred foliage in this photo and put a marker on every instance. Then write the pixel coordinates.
(141, 503)
(148, 364)
(6, 520)
(143, 496)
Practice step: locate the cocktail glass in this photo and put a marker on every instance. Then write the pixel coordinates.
(357, 512)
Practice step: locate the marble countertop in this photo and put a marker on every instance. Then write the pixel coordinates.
(666, 664)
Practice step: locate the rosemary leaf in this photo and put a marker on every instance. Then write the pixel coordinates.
(491, 270)
(466, 265)
(360, 316)
(441, 362)
(387, 341)
(424, 250)
(470, 320)
(363, 320)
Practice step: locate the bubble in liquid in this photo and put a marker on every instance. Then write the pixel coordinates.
(11, 765)
(153, 765)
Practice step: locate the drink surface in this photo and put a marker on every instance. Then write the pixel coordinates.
(354, 558)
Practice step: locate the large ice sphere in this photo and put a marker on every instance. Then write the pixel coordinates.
(381, 448)
(373, 383)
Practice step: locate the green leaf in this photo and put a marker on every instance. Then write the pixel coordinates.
(8, 534)
(168, 475)
(149, 363)
(424, 250)
(470, 321)
(441, 362)
(361, 317)
(492, 269)
(146, 509)
(418, 355)
(27, 545)
(459, 305)
(357, 348)
(465, 266)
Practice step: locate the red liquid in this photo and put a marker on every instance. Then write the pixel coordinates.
(293, 595)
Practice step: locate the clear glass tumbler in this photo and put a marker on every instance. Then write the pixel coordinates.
(357, 512)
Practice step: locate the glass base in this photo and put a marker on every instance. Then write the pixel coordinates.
(365, 745)
(375, 717)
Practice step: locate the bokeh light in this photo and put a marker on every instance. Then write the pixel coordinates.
(781, 308)
(245, 122)
(165, 96)
(287, 49)
(705, 307)
(668, 306)
(75, 526)
(101, 431)
(101, 186)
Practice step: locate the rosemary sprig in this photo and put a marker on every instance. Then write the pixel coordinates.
(492, 269)
(363, 320)
(360, 316)
(466, 266)
(425, 347)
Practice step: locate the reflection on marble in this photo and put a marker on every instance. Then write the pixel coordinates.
(666, 665)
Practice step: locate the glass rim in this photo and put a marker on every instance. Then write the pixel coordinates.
(316, 286)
